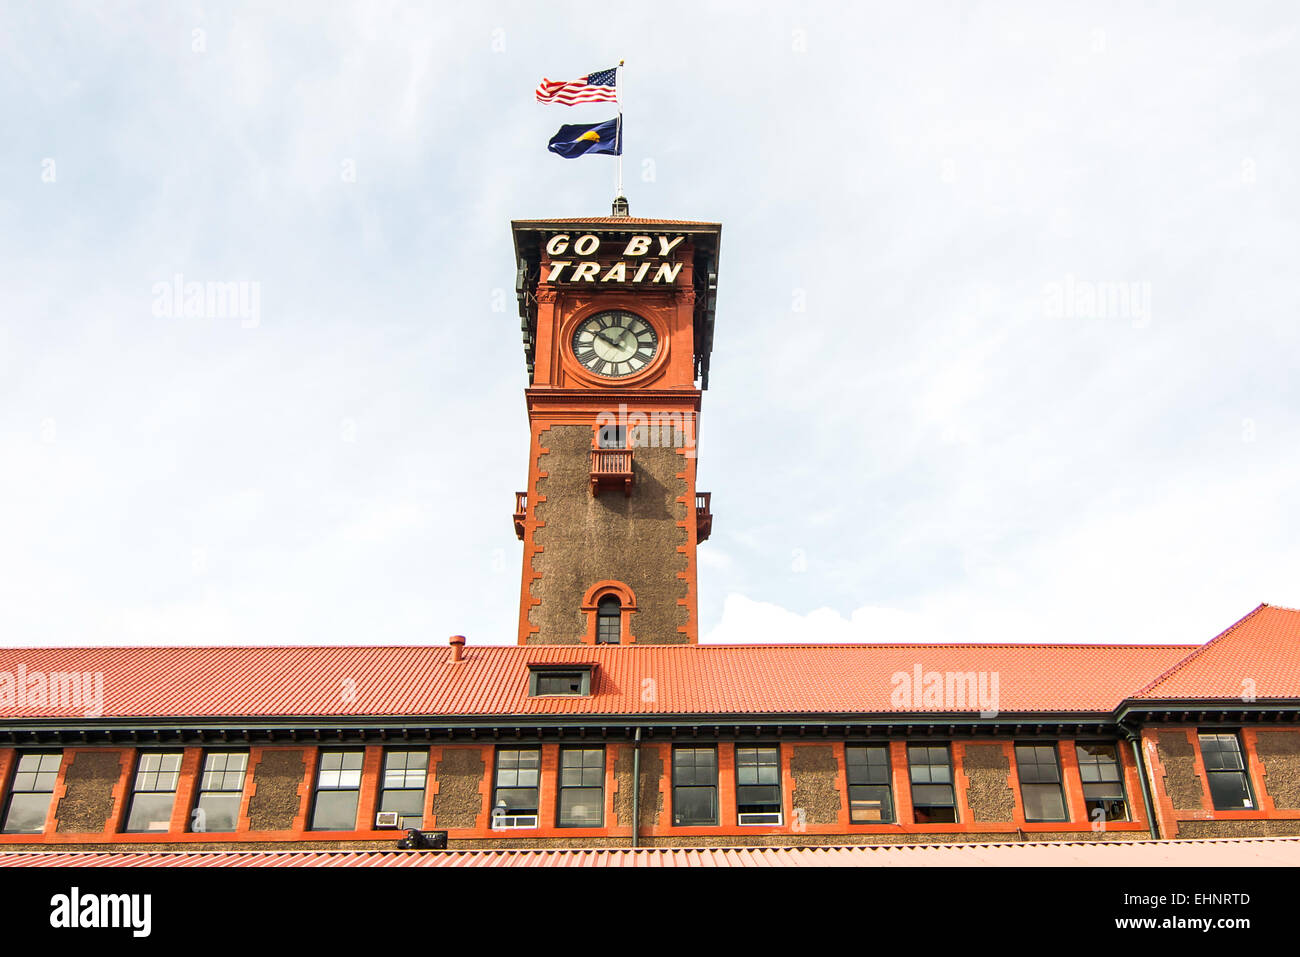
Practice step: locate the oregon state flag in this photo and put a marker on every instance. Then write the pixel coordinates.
(580, 138)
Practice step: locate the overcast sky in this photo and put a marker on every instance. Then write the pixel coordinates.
(1006, 340)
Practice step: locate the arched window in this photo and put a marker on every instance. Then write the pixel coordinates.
(609, 620)
(608, 607)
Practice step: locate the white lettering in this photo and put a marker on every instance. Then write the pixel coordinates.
(665, 247)
(667, 272)
(74, 909)
(637, 246)
(586, 245)
(557, 245)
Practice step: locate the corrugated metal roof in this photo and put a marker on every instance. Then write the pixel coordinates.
(1257, 658)
(1238, 852)
(234, 681)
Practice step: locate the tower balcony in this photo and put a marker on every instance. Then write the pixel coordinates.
(521, 511)
(611, 468)
(703, 516)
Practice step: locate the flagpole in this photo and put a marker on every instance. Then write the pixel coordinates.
(618, 93)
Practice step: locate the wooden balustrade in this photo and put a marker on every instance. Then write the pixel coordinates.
(703, 516)
(521, 512)
(611, 468)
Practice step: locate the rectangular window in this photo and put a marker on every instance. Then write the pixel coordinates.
(221, 787)
(555, 681)
(933, 801)
(515, 799)
(1103, 782)
(156, 774)
(402, 787)
(867, 771)
(582, 787)
(695, 786)
(758, 785)
(338, 789)
(611, 437)
(1040, 782)
(1225, 766)
(30, 792)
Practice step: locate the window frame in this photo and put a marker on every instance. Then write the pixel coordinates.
(384, 790)
(717, 813)
(951, 783)
(538, 671)
(11, 790)
(887, 784)
(135, 789)
(200, 791)
(536, 812)
(758, 765)
(317, 788)
(561, 787)
(1085, 784)
(1244, 771)
(1057, 787)
(607, 601)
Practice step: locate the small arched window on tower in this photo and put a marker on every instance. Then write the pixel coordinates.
(608, 607)
(609, 621)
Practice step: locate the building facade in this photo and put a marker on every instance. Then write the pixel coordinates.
(527, 746)
(606, 724)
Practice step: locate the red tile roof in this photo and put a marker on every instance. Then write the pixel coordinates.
(354, 681)
(1257, 658)
(1237, 852)
(234, 681)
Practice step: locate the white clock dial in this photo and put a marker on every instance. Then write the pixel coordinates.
(615, 343)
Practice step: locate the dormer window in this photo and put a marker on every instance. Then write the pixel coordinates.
(554, 680)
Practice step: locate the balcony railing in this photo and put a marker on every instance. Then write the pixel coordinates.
(611, 468)
(521, 512)
(703, 516)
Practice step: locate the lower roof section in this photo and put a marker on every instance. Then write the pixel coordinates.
(1236, 852)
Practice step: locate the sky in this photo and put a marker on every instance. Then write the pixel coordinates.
(1006, 336)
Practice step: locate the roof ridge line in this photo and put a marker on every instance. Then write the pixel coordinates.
(1151, 686)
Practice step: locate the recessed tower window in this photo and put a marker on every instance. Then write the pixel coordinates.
(608, 607)
(609, 621)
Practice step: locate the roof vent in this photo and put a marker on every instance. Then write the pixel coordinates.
(620, 210)
(457, 647)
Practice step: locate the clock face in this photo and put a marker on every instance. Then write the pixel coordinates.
(615, 344)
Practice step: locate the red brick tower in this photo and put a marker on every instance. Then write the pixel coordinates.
(617, 318)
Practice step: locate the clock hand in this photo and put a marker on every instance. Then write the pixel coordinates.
(612, 342)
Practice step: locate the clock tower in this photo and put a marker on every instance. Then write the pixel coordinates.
(617, 319)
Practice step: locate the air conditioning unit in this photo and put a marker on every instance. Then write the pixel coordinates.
(504, 822)
(386, 819)
(769, 818)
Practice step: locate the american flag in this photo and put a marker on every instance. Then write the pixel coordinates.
(592, 88)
